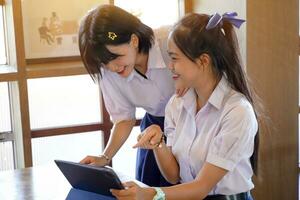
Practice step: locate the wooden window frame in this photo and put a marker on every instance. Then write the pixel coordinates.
(24, 69)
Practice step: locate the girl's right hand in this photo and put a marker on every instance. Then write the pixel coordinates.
(150, 138)
(95, 160)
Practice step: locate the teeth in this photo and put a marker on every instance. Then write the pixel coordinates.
(122, 70)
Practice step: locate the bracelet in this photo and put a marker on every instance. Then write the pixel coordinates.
(106, 157)
(160, 195)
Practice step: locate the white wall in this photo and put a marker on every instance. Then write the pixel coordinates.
(221, 6)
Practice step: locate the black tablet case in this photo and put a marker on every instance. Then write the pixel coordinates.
(90, 178)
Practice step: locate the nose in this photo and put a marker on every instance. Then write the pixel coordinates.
(171, 65)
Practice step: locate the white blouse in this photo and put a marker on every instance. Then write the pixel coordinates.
(123, 95)
(221, 133)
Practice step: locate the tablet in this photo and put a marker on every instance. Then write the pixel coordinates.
(90, 178)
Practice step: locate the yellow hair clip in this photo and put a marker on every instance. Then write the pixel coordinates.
(112, 35)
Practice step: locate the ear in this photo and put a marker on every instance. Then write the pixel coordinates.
(203, 60)
(134, 40)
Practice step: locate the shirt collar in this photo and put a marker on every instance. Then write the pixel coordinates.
(189, 101)
(219, 93)
(215, 99)
(155, 61)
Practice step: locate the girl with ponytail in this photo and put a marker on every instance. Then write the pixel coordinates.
(212, 131)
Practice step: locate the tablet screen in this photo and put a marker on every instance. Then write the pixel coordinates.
(90, 178)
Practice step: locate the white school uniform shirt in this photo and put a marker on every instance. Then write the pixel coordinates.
(123, 95)
(221, 133)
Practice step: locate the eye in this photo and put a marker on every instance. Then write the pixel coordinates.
(114, 57)
(111, 58)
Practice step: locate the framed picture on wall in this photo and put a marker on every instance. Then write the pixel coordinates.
(51, 28)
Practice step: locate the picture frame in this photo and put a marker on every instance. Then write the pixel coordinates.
(51, 30)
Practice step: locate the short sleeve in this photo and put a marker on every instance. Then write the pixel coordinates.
(170, 120)
(118, 107)
(235, 140)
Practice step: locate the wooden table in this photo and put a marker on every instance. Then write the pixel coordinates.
(42, 183)
(36, 183)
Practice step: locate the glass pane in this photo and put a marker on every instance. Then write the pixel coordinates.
(6, 156)
(145, 11)
(124, 161)
(5, 122)
(2, 39)
(73, 147)
(62, 101)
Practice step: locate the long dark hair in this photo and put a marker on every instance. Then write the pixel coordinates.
(220, 43)
(109, 25)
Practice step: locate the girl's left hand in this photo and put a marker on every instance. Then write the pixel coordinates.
(132, 192)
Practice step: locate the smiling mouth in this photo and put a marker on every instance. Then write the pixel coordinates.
(175, 76)
(122, 71)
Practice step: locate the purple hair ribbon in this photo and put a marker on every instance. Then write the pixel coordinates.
(217, 18)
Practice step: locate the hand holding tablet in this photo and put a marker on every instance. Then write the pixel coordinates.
(90, 178)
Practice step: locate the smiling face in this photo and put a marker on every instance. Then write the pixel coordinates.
(125, 62)
(187, 72)
(184, 70)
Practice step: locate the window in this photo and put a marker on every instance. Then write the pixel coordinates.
(73, 147)
(124, 161)
(5, 122)
(7, 161)
(145, 11)
(6, 139)
(6, 156)
(63, 101)
(2, 39)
